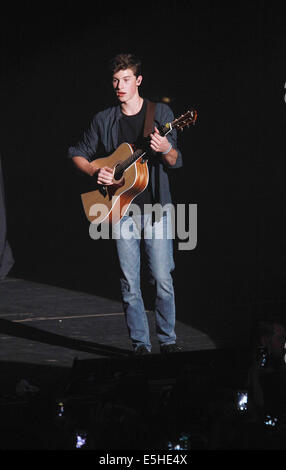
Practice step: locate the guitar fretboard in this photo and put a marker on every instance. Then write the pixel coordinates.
(185, 120)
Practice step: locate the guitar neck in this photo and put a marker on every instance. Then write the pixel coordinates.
(184, 120)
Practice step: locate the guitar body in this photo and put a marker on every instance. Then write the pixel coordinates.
(110, 206)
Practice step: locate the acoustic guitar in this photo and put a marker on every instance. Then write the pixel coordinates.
(108, 204)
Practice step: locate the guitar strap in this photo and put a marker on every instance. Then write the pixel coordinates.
(149, 118)
(148, 129)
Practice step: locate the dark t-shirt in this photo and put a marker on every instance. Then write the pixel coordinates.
(131, 130)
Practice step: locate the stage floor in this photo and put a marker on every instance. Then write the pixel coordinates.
(49, 326)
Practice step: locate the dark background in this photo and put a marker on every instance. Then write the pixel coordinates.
(226, 61)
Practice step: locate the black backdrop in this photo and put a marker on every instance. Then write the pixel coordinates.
(226, 61)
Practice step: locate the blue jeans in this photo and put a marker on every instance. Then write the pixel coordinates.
(159, 254)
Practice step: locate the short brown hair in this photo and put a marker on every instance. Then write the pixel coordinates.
(123, 62)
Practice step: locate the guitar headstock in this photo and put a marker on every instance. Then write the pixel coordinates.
(184, 120)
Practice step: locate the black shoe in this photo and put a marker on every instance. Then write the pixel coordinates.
(170, 348)
(141, 350)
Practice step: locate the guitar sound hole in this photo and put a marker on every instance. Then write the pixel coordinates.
(118, 173)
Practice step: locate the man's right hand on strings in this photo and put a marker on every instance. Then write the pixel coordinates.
(105, 176)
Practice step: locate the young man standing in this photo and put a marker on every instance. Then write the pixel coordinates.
(110, 128)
